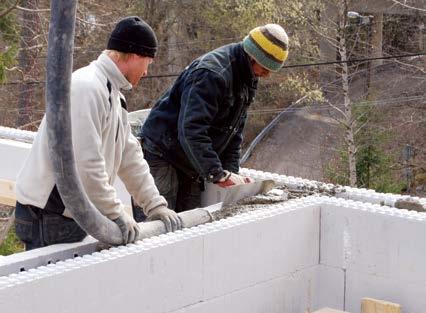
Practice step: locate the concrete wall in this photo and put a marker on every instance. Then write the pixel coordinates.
(296, 256)
(381, 250)
(263, 259)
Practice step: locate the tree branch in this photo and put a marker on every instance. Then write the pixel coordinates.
(7, 11)
(407, 6)
(89, 23)
(31, 10)
(361, 127)
(410, 65)
(337, 109)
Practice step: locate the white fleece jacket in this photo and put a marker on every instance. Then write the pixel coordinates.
(103, 147)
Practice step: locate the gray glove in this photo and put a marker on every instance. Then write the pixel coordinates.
(128, 226)
(169, 217)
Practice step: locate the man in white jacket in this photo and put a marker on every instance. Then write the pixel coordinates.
(103, 146)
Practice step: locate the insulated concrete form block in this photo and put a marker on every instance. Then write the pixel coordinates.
(329, 287)
(373, 239)
(293, 293)
(13, 155)
(17, 262)
(17, 134)
(261, 249)
(155, 276)
(410, 295)
(344, 192)
(373, 197)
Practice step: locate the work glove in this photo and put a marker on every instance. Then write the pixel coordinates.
(169, 217)
(232, 179)
(128, 226)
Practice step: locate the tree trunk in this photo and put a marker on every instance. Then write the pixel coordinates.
(349, 122)
(28, 54)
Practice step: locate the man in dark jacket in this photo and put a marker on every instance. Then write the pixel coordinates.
(193, 134)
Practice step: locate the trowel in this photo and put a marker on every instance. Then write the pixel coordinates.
(215, 194)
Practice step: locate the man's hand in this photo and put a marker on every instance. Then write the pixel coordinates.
(169, 217)
(232, 179)
(129, 228)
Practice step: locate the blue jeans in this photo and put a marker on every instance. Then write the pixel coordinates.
(38, 228)
(181, 191)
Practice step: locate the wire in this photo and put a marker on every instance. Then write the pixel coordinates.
(358, 60)
(327, 107)
(321, 63)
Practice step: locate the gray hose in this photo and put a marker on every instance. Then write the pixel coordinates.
(58, 117)
(266, 130)
(189, 219)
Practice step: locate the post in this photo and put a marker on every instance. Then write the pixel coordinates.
(377, 39)
(408, 153)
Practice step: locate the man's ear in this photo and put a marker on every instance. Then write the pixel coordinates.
(131, 56)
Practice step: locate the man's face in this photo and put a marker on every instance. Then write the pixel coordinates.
(137, 68)
(258, 70)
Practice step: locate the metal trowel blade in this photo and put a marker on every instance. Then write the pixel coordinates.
(214, 207)
(238, 192)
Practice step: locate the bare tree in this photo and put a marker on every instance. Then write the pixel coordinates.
(333, 31)
(28, 54)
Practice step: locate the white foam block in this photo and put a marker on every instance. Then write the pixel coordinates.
(297, 292)
(162, 279)
(411, 296)
(13, 155)
(329, 288)
(294, 293)
(268, 248)
(385, 244)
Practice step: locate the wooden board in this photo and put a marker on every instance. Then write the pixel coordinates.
(369, 305)
(7, 206)
(7, 192)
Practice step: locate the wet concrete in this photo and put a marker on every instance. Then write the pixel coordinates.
(277, 195)
(410, 204)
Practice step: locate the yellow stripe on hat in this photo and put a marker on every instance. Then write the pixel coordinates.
(269, 47)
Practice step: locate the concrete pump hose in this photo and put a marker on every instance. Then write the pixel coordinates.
(58, 77)
(189, 219)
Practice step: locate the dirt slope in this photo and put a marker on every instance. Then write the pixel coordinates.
(300, 145)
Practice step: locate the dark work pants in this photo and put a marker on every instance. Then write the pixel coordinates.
(38, 228)
(181, 192)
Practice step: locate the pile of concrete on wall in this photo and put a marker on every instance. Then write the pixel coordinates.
(295, 256)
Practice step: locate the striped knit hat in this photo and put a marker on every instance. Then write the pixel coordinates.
(268, 45)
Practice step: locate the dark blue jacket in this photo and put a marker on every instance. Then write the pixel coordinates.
(197, 124)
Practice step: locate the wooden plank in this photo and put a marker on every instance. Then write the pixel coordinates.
(7, 192)
(370, 305)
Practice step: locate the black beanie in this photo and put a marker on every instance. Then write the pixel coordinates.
(133, 35)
